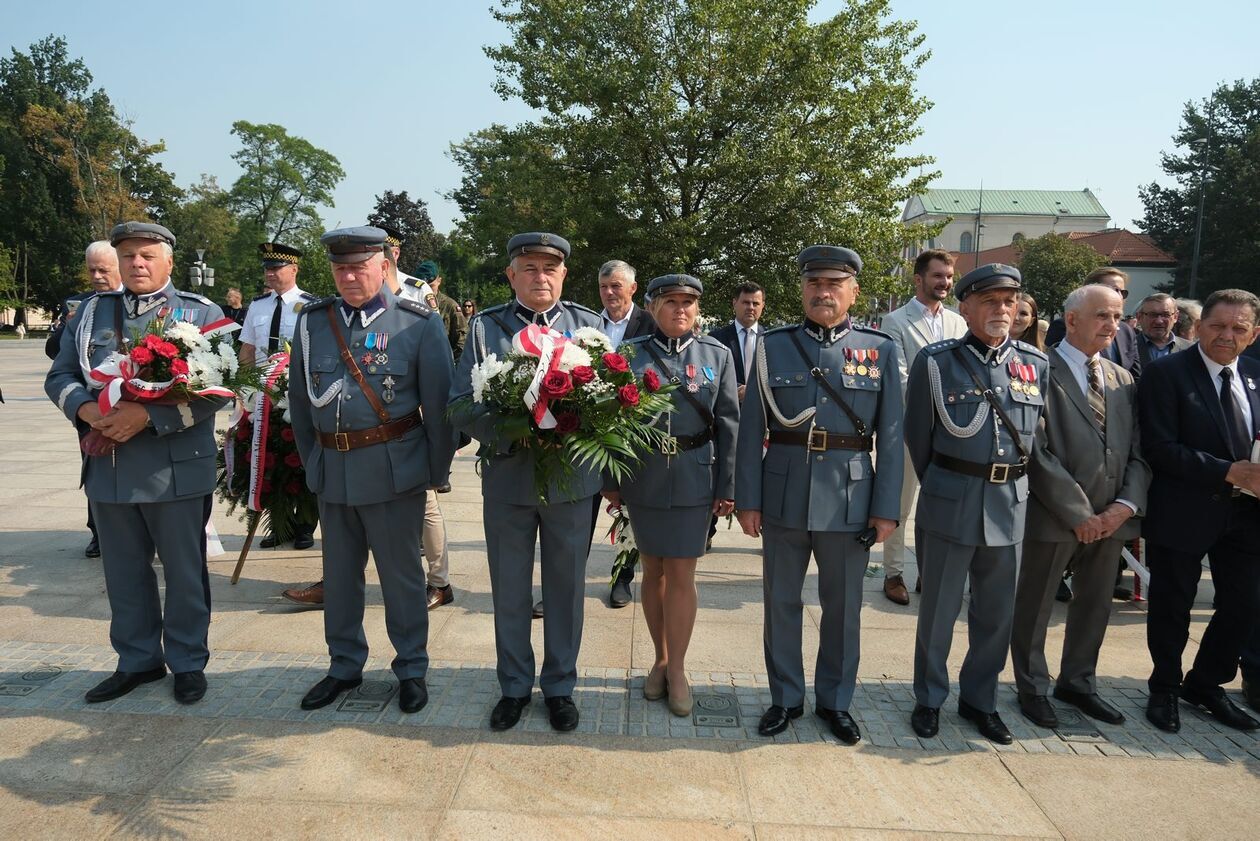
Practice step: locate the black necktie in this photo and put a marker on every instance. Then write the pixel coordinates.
(1240, 441)
(273, 339)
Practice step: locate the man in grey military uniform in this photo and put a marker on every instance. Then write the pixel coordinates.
(824, 394)
(514, 518)
(368, 383)
(153, 493)
(972, 408)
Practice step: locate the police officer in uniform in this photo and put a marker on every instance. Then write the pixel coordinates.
(673, 494)
(368, 383)
(825, 394)
(154, 491)
(399, 282)
(513, 515)
(269, 324)
(972, 408)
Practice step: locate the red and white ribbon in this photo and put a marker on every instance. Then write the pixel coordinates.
(547, 345)
(277, 364)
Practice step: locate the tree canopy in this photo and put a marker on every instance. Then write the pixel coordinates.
(410, 217)
(1053, 265)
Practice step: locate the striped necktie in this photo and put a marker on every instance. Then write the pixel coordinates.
(1097, 397)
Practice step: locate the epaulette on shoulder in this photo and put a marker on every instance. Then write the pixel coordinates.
(415, 307)
(780, 329)
(184, 293)
(706, 339)
(637, 340)
(260, 297)
(319, 303)
(1031, 350)
(943, 345)
(307, 296)
(873, 331)
(575, 305)
(411, 280)
(488, 310)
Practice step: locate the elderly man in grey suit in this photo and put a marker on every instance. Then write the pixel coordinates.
(515, 519)
(972, 409)
(1088, 482)
(153, 492)
(368, 382)
(924, 320)
(819, 401)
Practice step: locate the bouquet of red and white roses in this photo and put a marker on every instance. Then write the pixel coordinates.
(573, 401)
(169, 363)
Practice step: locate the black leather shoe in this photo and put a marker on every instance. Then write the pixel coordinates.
(1090, 704)
(1122, 594)
(443, 489)
(1251, 693)
(1216, 702)
(412, 694)
(562, 713)
(775, 720)
(537, 612)
(268, 542)
(620, 595)
(926, 721)
(507, 712)
(843, 727)
(1064, 593)
(989, 724)
(1038, 710)
(326, 691)
(93, 549)
(120, 683)
(1161, 710)
(303, 540)
(190, 687)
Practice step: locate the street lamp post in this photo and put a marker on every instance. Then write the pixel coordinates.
(199, 272)
(1205, 146)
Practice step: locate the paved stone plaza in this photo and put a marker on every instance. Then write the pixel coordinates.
(248, 761)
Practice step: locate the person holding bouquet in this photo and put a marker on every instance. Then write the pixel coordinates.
(515, 517)
(673, 495)
(368, 380)
(150, 486)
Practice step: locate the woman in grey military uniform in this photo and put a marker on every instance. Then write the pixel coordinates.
(674, 494)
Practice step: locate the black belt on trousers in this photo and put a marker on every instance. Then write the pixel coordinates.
(820, 439)
(999, 474)
(682, 443)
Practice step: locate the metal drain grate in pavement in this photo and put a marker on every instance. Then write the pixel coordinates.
(1074, 727)
(715, 710)
(371, 696)
(28, 682)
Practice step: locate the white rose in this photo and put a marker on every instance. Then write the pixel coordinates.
(571, 356)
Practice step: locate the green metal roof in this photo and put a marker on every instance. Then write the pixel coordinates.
(1020, 202)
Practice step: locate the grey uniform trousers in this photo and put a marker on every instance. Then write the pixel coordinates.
(946, 567)
(841, 569)
(895, 545)
(144, 637)
(564, 531)
(1041, 570)
(392, 531)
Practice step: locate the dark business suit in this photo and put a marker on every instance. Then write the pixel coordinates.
(1144, 348)
(1193, 511)
(729, 335)
(1123, 350)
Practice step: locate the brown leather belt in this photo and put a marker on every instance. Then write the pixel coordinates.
(343, 441)
(820, 439)
(998, 474)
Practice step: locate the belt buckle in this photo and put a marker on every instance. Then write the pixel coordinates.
(814, 445)
(342, 440)
(669, 446)
(999, 478)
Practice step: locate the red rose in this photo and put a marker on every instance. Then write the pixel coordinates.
(243, 432)
(151, 340)
(651, 380)
(555, 385)
(583, 374)
(628, 395)
(286, 433)
(616, 362)
(293, 488)
(293, 460)
(567, 422)
(270, 461)
(179, 366)
(141, 355)
(166, 349)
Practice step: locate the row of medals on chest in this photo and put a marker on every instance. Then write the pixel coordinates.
(1023, 379)
(374, 356)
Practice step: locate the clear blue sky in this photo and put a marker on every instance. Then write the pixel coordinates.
(1027, 95)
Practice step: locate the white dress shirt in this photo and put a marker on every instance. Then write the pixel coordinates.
(747, 343)
(257, 328)
(615, 330)
(1237, 386)
(935, 320)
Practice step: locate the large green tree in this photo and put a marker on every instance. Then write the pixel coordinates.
(411, 218)
(286, 179)
(716, 137)
(1052, 266)
(1218, 147)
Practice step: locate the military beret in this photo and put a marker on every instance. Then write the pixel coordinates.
(141, 230)
(670, 283)
(274, 255)
(353, 245)
(538, 243)
(986, 277)
(393, 236)
(828, 261)
(427, 270)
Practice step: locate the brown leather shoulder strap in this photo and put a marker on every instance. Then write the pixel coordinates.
(353, 368)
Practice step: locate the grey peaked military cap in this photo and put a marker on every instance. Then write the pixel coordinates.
(667, 284)
(141, 230)
(538, 242)
(828, 261)
(986, 277)
(353, 245)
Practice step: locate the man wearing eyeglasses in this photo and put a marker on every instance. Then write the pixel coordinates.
(1124, 350)
(1156, 315)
